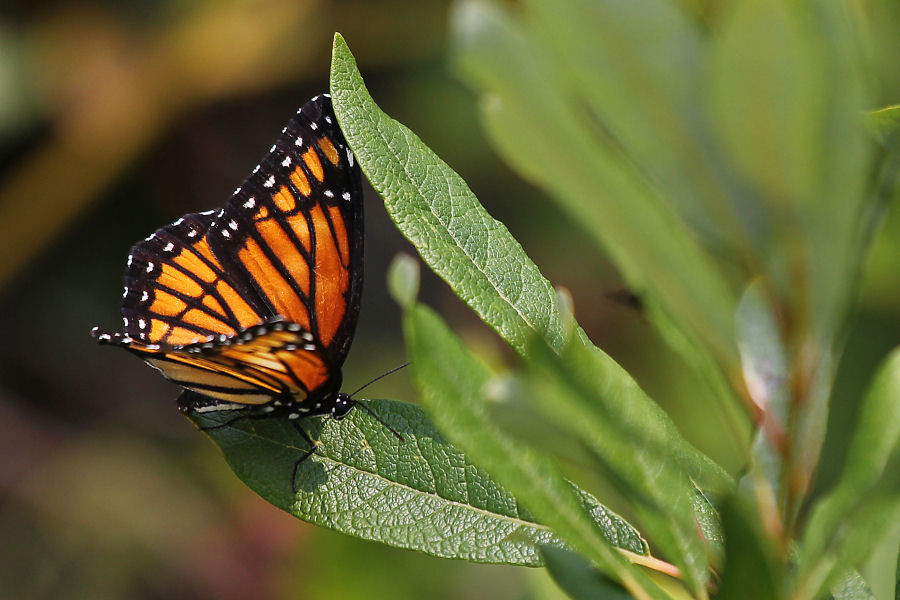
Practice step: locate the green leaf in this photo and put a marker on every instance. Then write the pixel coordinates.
(766, 92)
(710, 523)
(765, 369)
(451, 381)
(750, 565)
(578, 578)
(879, 571)
(422, 494)
(637, 66)
(634, 441)
(454, 234)
(531, 116)
(403, 279)
(434, 208)
(885, 126)
(852, 587)
(864, 506)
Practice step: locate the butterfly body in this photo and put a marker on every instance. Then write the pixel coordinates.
(254, 305)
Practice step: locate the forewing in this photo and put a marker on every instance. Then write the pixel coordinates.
(293, 231)
(176, 291)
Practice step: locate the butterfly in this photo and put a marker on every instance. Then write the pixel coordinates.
(255, 305)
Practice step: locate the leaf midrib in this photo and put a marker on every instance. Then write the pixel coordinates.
(462, 248)
(322, 458)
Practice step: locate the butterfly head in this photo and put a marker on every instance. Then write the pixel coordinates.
(343, 404)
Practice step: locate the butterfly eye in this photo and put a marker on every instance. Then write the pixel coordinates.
(342, 406)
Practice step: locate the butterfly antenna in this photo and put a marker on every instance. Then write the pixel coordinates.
(380, 420)
(370, 411)
(382, 376)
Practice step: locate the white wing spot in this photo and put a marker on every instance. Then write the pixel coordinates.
(192, 233)
(298, 141)
(226, 234)
(130, 259)
(237, 191)
(328, 119)
(145, 295)
(179, 221)
(256, 169)
(232, 224)
(286, 161)
(250, 203)
(327, 95)
(346, 196)
(313, 126)
(329, 193)
(169, 247)
(350, 156)
(270, 181)
(142, 323)
(149, 266)
(272, 149)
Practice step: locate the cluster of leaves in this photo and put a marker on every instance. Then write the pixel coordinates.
(728, 174)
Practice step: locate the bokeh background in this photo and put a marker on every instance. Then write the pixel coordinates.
(118, 117)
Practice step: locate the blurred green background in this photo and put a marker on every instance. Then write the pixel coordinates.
(118, 117)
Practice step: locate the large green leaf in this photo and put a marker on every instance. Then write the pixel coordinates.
(578, 578)
(766, 94)
(475, 253)
(538, 125)
(451, 381)
(787, 96)
(435, 209)
(633, 441)
(865, 504)
(751, 569)
(422, 494)
(637, 66)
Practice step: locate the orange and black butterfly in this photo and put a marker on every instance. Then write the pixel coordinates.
(255, 305)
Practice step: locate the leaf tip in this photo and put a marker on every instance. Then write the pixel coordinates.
(403, 279)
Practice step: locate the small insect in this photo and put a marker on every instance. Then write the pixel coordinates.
(255, 305)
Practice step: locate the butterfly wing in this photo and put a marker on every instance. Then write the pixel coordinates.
(271, 361)
(293, 232)
(176, 291)
(287, 246)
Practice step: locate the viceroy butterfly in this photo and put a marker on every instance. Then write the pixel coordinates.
(255, 305)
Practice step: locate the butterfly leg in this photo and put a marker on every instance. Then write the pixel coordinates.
(307, 454)
(233, 421)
